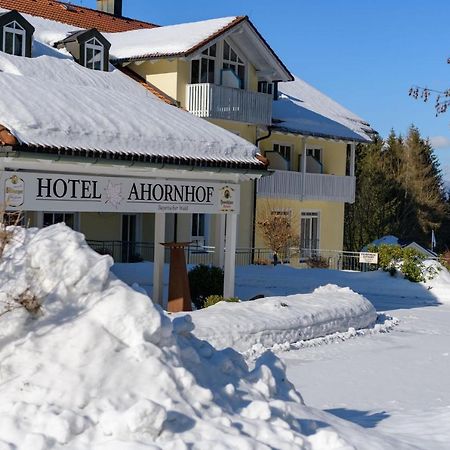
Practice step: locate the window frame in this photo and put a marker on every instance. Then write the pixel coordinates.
(218, 63)
(97, 45)
(309, 214)
(76, 218)
(198, 239)
(286, 145)
(17, 30)
(239, 62)
(208, 58)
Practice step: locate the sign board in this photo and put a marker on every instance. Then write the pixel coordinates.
(28, 191)
(368, 258)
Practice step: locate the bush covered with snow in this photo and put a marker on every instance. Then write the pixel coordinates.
(408, 261)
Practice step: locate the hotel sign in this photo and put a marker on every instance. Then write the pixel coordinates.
(77, 193)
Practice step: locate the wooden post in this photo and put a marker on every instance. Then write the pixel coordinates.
(179, 292)
(230, 256)
(158, 260)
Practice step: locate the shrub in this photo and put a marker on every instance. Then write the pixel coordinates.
(444, 259)
(213, 299)
(205, 281)
(408, 261)
(317, 262)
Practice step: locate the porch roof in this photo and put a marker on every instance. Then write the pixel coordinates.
(52, 102)
(303, 109)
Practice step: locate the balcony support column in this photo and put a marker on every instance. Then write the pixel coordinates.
(352, 159)
(219, 251)
(158, 260)
(303, 167)
(230, 256)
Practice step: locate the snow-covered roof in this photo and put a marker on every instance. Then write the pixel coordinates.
(187, 38)
(303, 109)
(53, 102)
(167, 40)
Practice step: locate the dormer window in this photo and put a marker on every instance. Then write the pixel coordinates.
(14, 39)
(16, 34)
(89, 48)
(94, 54)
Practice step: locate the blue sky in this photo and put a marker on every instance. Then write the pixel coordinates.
(364, 54)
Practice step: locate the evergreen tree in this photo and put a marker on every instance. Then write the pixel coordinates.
(399, 191)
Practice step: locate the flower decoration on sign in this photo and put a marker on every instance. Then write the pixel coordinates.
(113, 194)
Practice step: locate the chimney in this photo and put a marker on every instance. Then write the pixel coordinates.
(110, 6)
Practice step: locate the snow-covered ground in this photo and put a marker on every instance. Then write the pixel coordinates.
(394, 384)
(100, 367)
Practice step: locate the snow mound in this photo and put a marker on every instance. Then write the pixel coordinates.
(101, 367)
(273, 321)
(438, 283)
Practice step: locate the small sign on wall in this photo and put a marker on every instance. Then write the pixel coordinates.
(368, 258)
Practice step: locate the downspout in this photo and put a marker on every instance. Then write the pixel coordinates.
(255, 188)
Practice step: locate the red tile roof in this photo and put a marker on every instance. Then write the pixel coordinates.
(75, 15)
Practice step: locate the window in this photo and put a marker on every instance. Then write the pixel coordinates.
(309, 233)
(283, 150)
(129, 238)
(265, 87)
(315, 153)
(198, 229)
(14, 39)
(51, 218)
(94, 54)
(203, 69)
(231, 61)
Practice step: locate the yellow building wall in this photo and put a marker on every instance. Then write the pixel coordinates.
(331, 219)
(252, 82)
(101, 226)
(183, 79)
(245, 131)
(162, 73)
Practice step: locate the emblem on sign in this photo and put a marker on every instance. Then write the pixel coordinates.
(14, 192)
(113, 194)
(227, 199)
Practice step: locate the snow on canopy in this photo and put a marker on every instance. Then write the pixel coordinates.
(54, 102)
(167, 40)
(303, 109)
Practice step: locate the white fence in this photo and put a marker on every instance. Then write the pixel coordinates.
(221, 102)
(308, 186)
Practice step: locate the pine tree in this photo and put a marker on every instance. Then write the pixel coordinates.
(400, 191)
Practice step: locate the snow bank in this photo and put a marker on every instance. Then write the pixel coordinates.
(279, 320)
(102, 368)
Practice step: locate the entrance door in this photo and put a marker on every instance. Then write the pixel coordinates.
(309, 234)
(129, 237)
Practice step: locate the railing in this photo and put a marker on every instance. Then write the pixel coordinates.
(221, 102)
(129, 252)
(308, 186)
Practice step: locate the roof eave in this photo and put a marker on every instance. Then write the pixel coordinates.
(304, 133)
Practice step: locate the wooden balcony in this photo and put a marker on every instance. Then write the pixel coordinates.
(221, 102)
(308, 186)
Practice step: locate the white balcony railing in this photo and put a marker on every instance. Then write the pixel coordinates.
(308, 186)
(221, 102)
